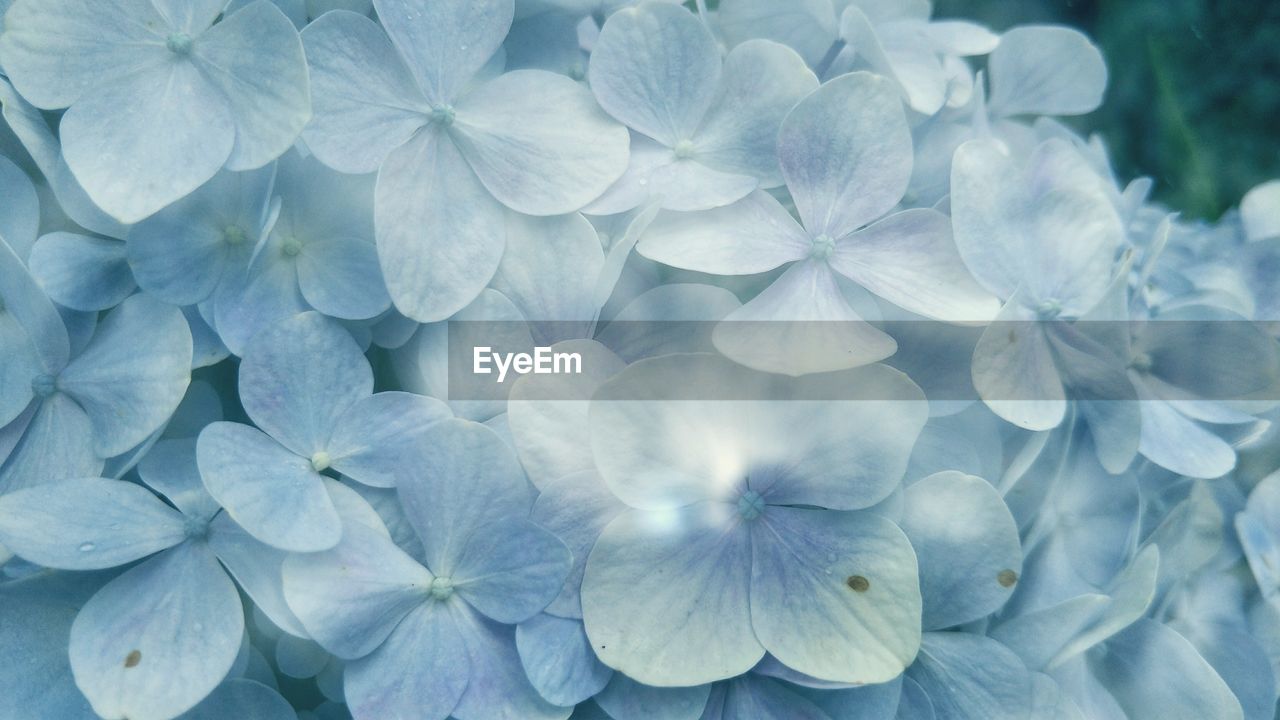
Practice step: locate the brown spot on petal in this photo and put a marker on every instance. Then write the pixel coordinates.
(857, 583)
(133, 658)
(1006, 578)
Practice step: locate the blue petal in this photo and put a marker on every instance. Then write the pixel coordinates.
(753, 696)
(557, 657)
(243, 700)
(510, 570)
(961, 689)
(445, 43)
(626, 699)
(53, 441)
(257, 567)
(82, 272)
(499, 688)
(576, 507)
(374, 440)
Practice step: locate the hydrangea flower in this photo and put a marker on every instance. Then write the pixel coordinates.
(455, 145)
(712, 564)
(704, 129)
(439, 620)
(306, 384)
(845, 151)
(159, 87)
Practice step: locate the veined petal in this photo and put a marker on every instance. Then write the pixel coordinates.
(53, 439)
(960, 688)
(159, 638)
(342, 278)
(273, 494)
(656, 68)
(440, 232)
(539, 142)
(192, 16)
(809, 26)
(753, 235)
(257, 568)
(845, 151)
(1015, 374)
(366, 102)
(910, 259)
(762, 82)
(550, 267)
(559, 661)
(687, 625)
(377, 436)
(87, 524)
(177, 133)
(576, 508)
(499, 688)
(834, 595)
(299, 376)
(655, 173)
(56, 52)
(511, 570)
(1046, 70)
(255, 58)
(351, 598)
(446, 42)
(128, 395)
(35, 314)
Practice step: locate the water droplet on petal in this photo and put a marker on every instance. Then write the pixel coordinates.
(87, 547)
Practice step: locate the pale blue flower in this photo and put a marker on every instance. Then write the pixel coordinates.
(159, 96)
(429, 636)
(454, 145)
(306, 384)
(845, 151)
(704, 129)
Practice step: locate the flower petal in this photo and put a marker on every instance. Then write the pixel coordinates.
(656, 68)
(257, 568)
(159, 638)
(342, 278)
(446, 42)
(834, 595)
(1015, 373)
(366, 102)
(82, 272)
(539, 142)
(255, 58)
(656, 174)
(691, 622)
(1046, 70)
(499, 688)
(960, 688)
(550, 267)
(299, 376)
(244, 699)
(910, 259)
(809, 26)
(576, 508)
(52, 440)
(845, 151)
(626, 699)
(557, 657)
(753, 235)
(967, 545)
(375, 438)
(273, 494)
(760, 698)
(511, 570)
(177, 133)
(87, 524)
(128, 395)
(21, 219)
(440, 232)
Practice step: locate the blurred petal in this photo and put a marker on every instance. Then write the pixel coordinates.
(87, 524)
(845, 151)
(1015, 374)
(539, 142)
(170, 468)
(760, 698)
(244, 700)
(159, 638)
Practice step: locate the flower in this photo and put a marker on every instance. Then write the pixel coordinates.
(430, 636)
(159, 87)
(455, 145)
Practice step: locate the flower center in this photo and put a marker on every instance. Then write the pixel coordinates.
(291, 247)
(320, 461)
(442, 115)
(750, 505)
(179, 43)
(1049, 309)
(684, 149)
(43, 385)
(196, 529)
(822, 247)
(233, 235)
(442, 588)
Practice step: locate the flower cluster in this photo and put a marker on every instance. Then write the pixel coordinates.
(894, 401)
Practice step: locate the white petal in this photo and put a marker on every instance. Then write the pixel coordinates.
(809, 26)
(656, 174)
(1046, 70)
(845, 151)
(366, 103)
(801, 324)
(539, 142)
(342, 278)
(446, 42)
(87, 524)
(159, 638)
(255, 58)
(1260, 211)
(834, 595)
(666, 600)
(1015, 374)
(550, 267)
(576, 507)
(656, 68)
(440, 232)
(176, 133)
(753, 235)
(762, 82)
